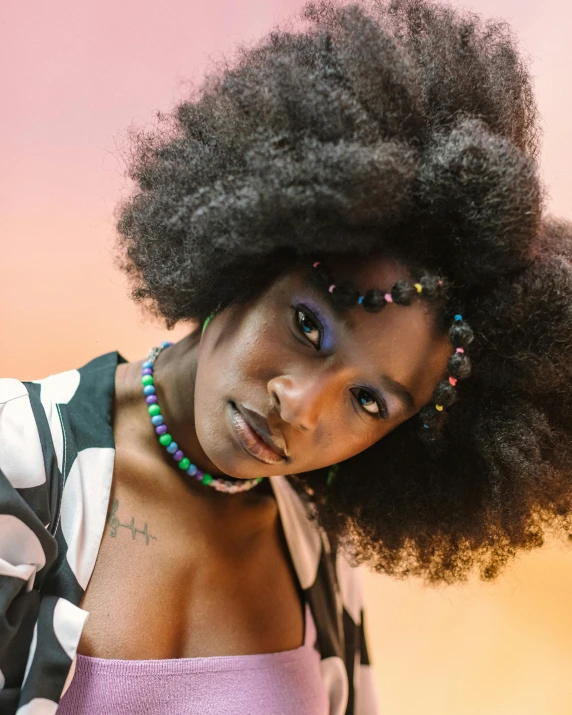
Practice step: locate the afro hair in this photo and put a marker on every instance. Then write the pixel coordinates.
(404, 126)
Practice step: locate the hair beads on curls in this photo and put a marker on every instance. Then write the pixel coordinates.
(428, 287)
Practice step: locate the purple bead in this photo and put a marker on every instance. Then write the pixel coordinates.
(161, 429)
(178, 455)
(147, 371)
(151, 399)
(199, 475)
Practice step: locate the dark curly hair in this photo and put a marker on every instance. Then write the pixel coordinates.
(400, 126)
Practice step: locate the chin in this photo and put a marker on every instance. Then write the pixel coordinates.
(226, 460)
(224, 450)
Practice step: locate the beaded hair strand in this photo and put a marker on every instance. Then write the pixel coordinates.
(426, 287)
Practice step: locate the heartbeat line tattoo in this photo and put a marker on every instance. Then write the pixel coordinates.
(114, 523)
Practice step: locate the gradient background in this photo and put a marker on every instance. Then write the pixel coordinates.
(75, 75)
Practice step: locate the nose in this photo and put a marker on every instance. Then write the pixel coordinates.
(298, 401)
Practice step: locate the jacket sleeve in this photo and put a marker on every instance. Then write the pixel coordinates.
(30, 484)
(365, 696)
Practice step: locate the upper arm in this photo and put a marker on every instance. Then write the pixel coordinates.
(27, 503)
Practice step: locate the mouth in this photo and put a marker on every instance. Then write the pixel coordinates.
(254, 436)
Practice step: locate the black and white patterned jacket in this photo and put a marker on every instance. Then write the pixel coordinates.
(56, 464)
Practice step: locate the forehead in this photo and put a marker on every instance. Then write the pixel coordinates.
(379, 272)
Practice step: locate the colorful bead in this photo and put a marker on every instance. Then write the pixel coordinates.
(388, 297)
(439, 407)
(459, 350)
(360, 299)
(418, 287)
(453, 381)
(207, 321)
(315, 264)
(331, 288)
(458, 318)
(166, 440)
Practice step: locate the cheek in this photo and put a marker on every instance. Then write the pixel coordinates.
(240, 357)
(333, 449)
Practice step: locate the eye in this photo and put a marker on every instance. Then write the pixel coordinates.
(371, 403)
(309, 326)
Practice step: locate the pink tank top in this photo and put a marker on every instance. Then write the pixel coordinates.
(267, 684)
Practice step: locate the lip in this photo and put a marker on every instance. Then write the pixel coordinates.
(253, 433)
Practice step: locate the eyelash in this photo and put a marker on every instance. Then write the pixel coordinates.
(302, 310)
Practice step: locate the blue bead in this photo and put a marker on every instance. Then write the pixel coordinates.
(192, 470)
(149, 390)
(147, 364)
(458, 317)
(172, 448)
(166, 343)
(426, 426)
(360, 299)
(157, 420)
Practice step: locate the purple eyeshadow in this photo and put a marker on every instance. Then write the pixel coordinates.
(326, 322)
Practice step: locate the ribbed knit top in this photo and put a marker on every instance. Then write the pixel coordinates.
(267, 684)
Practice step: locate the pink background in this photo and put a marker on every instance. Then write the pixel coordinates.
(74, 76)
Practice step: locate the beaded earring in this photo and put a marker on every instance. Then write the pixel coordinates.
(207, 321)
(345, 295)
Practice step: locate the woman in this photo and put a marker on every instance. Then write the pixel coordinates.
(353, 215)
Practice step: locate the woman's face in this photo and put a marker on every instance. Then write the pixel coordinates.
(285, 384)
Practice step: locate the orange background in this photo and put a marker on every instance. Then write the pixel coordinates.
(74, 76)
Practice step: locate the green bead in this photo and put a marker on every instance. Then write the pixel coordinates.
(154, 410)
(147, 380)
(165, 439)
(185, 463)
(207, 479)
(259, 480)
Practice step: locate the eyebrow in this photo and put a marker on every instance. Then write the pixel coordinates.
(401, 392)
(341, 313)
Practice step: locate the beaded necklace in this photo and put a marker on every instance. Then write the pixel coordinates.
(184, 463)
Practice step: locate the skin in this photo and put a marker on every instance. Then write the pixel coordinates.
(255, 355)
(176, 547)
